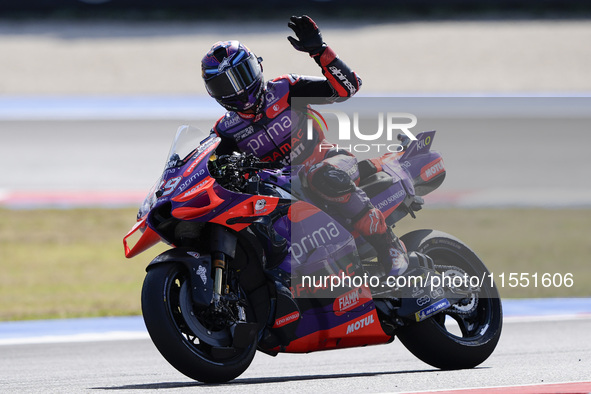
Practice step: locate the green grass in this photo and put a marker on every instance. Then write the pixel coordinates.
(520, 241)
(67, 263)
(70, 263)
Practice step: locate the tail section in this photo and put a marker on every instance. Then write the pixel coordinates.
(421, 145)
(424, 166)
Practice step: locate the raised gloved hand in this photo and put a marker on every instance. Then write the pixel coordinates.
(309, 37)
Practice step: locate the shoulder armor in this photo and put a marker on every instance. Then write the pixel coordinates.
(227, 123)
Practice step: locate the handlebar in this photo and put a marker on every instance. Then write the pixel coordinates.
(233, 171)
(267, 165)
(245, 161)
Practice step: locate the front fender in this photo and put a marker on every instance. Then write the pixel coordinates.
(199, 268)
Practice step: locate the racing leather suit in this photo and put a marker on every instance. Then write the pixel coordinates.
(332, 176)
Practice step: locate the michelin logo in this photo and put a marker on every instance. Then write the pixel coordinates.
(202, 272)
(432, 309)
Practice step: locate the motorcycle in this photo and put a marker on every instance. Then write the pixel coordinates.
(256, 264)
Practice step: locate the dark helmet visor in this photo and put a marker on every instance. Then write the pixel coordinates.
(235, 80)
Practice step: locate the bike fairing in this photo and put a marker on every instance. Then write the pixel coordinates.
(204, 193)
(316, 321)
(203, 200)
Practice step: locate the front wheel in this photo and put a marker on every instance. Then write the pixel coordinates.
(465, 334)
(196, 341)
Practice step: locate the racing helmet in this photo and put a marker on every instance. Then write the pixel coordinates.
(233, 76)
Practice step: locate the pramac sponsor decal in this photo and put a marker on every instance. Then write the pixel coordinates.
(277, 107)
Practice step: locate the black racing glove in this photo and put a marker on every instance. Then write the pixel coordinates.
(309, 37)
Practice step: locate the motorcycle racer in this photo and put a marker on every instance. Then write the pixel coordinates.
(260, 120)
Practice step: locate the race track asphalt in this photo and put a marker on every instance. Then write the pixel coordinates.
(531, 351)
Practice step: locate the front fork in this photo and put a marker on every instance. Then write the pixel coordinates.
(223, 249)
(219, 283)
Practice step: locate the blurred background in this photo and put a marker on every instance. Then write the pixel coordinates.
(105, 83)
(92, 92)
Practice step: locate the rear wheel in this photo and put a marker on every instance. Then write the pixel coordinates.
(196, 341)
(465, 334)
